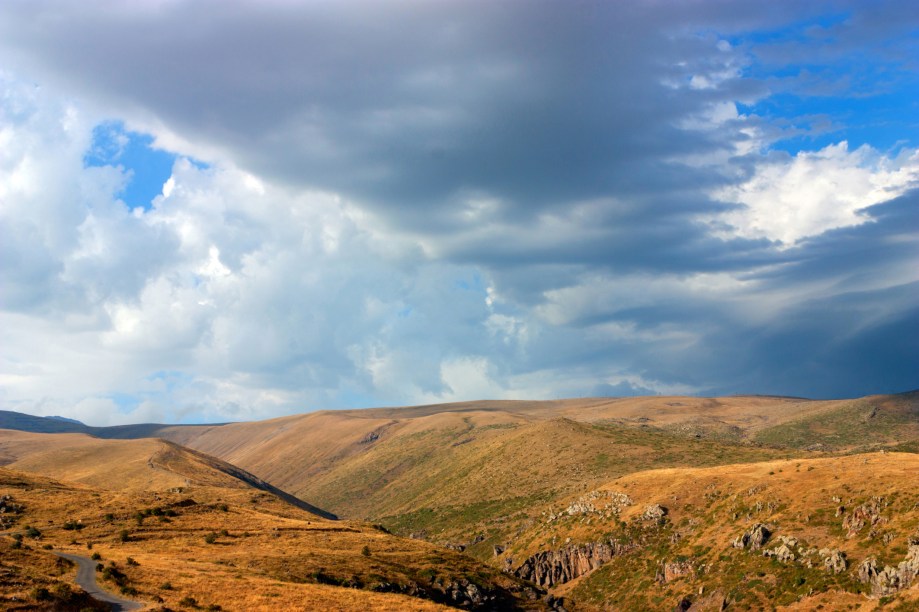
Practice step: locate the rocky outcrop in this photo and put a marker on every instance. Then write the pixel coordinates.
(754, 539)
(654, 512)
(552, 567)
(455, 592)
(791, 550)
(867, 514)
(671, 570)
(9, 511)
(889, 579)
(834, 561)
(604, 503)
(782, 553)
(373, 436)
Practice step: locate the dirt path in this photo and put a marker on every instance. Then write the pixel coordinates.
(86, 579)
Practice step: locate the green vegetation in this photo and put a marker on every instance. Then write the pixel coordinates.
(858, 424)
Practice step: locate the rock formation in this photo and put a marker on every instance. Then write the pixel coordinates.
(890, 579)
(868, 513)
(671, 570)
(552, 567)
(754, 538)
(654, 512)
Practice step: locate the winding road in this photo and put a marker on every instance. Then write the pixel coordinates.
(86, 579)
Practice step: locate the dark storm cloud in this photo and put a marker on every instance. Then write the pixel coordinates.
(570, 157)
(411, 107)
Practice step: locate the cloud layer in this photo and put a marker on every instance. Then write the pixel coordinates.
(415, 202)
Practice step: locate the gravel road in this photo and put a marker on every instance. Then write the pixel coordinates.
(86, 579)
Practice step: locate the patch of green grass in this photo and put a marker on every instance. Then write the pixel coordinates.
(858, 423)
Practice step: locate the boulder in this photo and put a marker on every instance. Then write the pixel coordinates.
(654, 512)
(781, 552)
(754, 538)
(835, 561)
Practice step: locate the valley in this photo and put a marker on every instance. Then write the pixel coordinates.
(744, 502)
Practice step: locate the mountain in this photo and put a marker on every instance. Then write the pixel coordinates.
(507, 482)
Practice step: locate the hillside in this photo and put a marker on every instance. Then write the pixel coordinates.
(172, 518)
(505, 483)
(831, 526)
(129, 465)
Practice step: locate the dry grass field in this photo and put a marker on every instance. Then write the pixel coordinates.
(494, 492)
(191, 536)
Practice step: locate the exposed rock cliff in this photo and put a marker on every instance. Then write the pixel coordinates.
(553, 567)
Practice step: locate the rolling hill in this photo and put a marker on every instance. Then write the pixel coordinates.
(164, 515)
(503, 482)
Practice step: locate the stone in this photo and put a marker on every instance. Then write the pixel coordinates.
(866, 514)
(781, 553)
(835, 561)
(373, 436)
(654, 512)
(890, 579)
(671, 570)
(754, 538)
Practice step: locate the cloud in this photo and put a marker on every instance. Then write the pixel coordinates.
(414, 202)
(790, 198)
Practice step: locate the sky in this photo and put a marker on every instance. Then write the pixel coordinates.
(216, 211)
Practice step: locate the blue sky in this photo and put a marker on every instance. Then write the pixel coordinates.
(147, 168)
(274, 208)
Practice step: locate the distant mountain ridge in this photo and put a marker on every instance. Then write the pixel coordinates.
(57, 424)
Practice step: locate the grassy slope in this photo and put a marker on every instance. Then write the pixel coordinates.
(456, 471)
(709, 507)
(490, 470)
(271, 554)
(869, 421)
(458, 478)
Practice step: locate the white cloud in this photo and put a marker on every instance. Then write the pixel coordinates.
(790, 198)
(256, 298)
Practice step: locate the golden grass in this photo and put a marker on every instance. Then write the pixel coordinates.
(709, 507)
(266, 553)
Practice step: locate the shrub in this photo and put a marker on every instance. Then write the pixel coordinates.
(191, 602)
(125, 535)
(166, 586)
(210, 538)
(32, 532)
(131, 561)
(96, 556)
(41, 594)
(365, 551)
